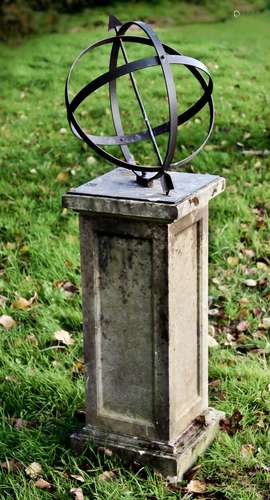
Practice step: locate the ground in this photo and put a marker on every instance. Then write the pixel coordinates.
(42, 377)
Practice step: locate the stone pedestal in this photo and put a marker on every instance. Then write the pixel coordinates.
(144, 279)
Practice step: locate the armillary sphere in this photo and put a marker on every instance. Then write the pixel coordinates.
(164, 57)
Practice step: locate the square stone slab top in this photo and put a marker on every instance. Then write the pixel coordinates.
(117, 194)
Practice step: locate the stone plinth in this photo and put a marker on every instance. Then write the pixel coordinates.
(144, 262)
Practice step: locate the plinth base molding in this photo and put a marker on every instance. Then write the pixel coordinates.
(172, 459)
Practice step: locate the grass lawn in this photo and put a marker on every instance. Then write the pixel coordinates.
(41, 380)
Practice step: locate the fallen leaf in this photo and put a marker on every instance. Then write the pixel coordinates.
(7, 321)
(24, 250)
(19, 423)
(246, 135)
(243, 313)
(91, 160)
(107, 475)
(78, 477)
(257, 311)
(77, 493)
(42, 484)
(262, 266)
(233, 261)
(243, 326)
(256, 152)
(32, 339)
(215, 383)
(230, 340)
(70, 288)
(212, 343)
(10, 378)
(3, 300)
(211, 330)
(78, 367)
(68, 263)
(106, 451)
(247, 450)
(231, 424)
(196, 486)
(244, 301)
(250, 282)
(214, 312)
(11, 465)
(64, 337)
(192, 473)
(249, 253)
(33, 470)
(251, 270)
(62, 176)
(23, 304)
(266, 323)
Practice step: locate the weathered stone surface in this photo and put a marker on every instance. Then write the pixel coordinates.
(117, 194)
(145, 302)
(172, 459)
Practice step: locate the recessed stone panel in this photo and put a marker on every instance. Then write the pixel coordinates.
(124, 328)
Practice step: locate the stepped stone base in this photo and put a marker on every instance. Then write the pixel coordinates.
(171, 459)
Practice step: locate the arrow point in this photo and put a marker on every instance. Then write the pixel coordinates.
(113, 22)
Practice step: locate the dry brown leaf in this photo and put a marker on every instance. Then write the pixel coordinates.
(266, 323)
(62, 176)
(33, 470)
(11, 378)
(11, 465)
(196, 486)
(64, 337)
(230, 340)
(43, 485)
(3, 300)
(77, 493)
(215, 383)
(212, 343)
(214, 312)
(24, 250)
(19, 423)
(68, 263)
(231, 424)
(233, 261)
(192, 473)
(249, 253)
(78, 477)
(78, 367)
(107, 475)
(10, 245)
(244, 301)
(7, 321)
(262, 266)
(23, 304)
(250, 282)
(70, 288)
(91, 160)
(247, 450)
(20, 303)
(211, 330)
(106, 451)
(243, 313)
(32, 339)
(243, 326)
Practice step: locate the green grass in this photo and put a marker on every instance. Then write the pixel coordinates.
(39, 248)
